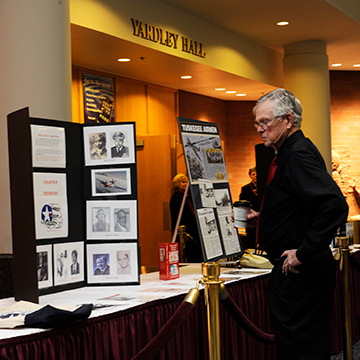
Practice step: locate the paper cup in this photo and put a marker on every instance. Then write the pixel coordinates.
(241, 211)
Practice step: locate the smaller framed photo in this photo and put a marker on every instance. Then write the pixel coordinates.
(111, 220)
(44, 266)
(109, 144)
(111, 182)
(69, 263)
(113, 263)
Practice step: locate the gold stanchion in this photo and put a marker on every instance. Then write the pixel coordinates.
(211, 273)
(182, 238)
(343, 243)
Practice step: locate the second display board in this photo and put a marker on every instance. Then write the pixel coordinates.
(210, 189)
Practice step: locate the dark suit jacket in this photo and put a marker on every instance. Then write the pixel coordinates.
(76, 270)
(124, 152)
(105, 272)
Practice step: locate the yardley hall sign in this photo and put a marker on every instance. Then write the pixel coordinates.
(167, 38)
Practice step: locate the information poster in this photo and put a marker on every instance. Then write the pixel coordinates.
(50, 201)
(98, 98)
(210, 190)
(203, 152)
(48, 146)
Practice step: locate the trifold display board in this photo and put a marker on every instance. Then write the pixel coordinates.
(73, 205)
(210, 190)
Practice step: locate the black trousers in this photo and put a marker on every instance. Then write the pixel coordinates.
(301, 309)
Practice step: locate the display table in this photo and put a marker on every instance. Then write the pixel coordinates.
(125, 319)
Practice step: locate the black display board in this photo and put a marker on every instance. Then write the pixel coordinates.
(48, 244)
(210, 190)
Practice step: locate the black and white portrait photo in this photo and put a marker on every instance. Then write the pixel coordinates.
(122, 220)
(44, 266)
(97, 143)
(123, 262)
(101, 219)
(119, 149)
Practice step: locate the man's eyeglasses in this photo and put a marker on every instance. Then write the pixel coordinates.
(264, 124)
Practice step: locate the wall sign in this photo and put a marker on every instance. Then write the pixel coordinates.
(167, 38)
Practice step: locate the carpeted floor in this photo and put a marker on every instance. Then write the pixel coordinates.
(356, 353)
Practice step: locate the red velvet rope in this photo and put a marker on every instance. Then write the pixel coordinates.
(245, 323)
(166, 332)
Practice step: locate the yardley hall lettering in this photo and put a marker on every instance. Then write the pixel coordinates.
(167, 38)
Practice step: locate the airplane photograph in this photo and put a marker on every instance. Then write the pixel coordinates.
(111, 182)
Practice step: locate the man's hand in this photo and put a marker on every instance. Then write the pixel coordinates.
(290, 262)
(252, 218)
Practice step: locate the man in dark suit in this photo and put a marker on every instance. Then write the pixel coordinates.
(119, 150)
(102, 266)
(75, 266)
(249, 193)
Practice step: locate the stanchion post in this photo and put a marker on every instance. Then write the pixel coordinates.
(343, 243)
(211, 273)
(182, 239)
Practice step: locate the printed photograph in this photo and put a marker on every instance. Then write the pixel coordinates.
(113, 263)
(44, 266)
(111, 220)
(109, 144)
(111, 182)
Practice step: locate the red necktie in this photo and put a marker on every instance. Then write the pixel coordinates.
(271, 174)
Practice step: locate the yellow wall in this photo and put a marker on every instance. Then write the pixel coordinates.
(224, 50)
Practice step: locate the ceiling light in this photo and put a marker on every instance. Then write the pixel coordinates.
(336, 65)
(231, 92)
(186, 77)
(241, 94)
(220, 89)
(123, 60)
(356, 65)
(282, 23)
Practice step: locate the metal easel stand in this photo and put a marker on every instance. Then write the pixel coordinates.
(343, 243)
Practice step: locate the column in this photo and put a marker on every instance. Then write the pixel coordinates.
(35, 72)
(306, 74)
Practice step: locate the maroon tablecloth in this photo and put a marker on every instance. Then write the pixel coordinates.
(121, 335)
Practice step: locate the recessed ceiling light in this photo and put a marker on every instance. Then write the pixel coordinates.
(231, 92)
(241, 94)
(123, 60)
(336, 65)
(186, 77)
(282, 23)
(220, 89)
(356, 65)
